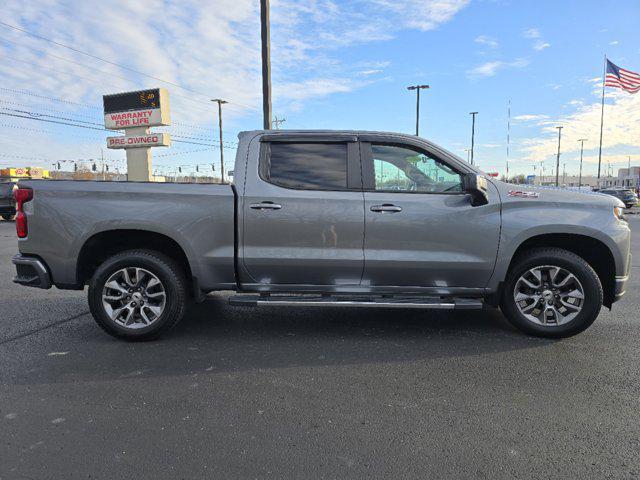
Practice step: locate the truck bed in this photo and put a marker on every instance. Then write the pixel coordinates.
(64, 215)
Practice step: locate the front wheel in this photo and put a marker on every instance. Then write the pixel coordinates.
(551, 292)
(8, 217)
(137, 294)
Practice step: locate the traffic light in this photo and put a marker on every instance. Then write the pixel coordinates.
(58, 165)
(93, 167)
(197, 169)
(107, 167)
(180, 169)
(75, 167)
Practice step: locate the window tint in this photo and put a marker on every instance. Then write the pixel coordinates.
(405, 170)
(312, 166)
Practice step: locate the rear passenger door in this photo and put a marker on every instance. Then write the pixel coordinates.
(303, 213)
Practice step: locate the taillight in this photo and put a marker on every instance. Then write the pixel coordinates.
(22, 196)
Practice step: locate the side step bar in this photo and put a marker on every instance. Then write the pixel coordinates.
(353, 301)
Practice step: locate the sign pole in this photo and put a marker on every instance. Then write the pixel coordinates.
(138, 159)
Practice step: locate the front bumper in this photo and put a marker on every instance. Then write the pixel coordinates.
(31, 272)
(621, 287)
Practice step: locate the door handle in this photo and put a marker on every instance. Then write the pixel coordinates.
(265, 206)
(387, 207)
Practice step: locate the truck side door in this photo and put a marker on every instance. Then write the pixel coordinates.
(303, 213)
(420, 228)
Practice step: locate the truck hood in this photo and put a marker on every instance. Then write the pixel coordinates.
(510, 192)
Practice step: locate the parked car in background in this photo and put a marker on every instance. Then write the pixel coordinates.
(626, 195)
(7, 204)
(327, 219)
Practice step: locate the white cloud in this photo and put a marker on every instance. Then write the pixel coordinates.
(541, 45)
(531, 33)
(490, 69)
(621, 127)
(613, 43)
(530, 118)
(421, 14)
(488, 41)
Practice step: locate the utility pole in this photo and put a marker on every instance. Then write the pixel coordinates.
(417, 88)
(220, 102)
(473, 132)
(266, 63)
(558, 157)
(278, 121)
(564, 173)
(582, 140)
(541, 173)
(468, 150)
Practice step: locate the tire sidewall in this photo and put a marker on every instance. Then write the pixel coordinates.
(575, 265)
(174, 300)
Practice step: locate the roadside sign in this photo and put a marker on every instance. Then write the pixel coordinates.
(531, 179)
(142, 108)
(137, 141)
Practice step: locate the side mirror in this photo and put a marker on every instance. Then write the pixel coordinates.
(476, 186)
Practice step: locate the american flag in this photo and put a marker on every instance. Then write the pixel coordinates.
(620, 78)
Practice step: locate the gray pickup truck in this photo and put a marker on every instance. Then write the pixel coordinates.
(327, 219)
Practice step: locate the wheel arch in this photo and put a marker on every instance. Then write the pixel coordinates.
(102, 245)
(592, 250)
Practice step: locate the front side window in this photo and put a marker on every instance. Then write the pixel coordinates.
(309, 166)
(405, 170)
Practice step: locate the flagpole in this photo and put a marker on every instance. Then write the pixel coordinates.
(604, 76)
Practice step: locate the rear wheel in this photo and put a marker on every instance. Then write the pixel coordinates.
(551, 292)
(137, 294)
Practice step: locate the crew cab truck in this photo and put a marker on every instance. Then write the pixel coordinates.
(327, 219)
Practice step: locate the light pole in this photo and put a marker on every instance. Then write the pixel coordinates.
(266, 64)
(564, 173)
(582, 140)
(417, 88)
(558, 157)
(473, 132)
(220, 102)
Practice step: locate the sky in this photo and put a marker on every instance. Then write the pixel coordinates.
(335, 65)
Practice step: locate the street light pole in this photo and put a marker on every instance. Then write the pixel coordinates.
(266, 63)
(558, 157)
(220, 102)
(582, 140)
(473, 132)
(417, 88)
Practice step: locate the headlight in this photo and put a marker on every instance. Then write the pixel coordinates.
(618, 212)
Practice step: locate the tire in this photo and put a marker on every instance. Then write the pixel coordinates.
(162, 311)
(557, 326)
(8, 217)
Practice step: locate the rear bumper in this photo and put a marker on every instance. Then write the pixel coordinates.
(31, 272)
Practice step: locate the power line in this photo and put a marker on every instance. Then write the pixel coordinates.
(102, 129)
(35, 35)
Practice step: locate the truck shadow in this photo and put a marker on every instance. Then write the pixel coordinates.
(215, 337)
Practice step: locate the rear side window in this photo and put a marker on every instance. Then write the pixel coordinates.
(309, 166)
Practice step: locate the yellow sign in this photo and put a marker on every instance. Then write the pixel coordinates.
(25, 172)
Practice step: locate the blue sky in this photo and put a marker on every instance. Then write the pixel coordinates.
(335, 65)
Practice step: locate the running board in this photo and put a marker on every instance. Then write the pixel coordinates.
(435, 303)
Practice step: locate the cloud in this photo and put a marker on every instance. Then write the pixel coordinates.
(613, 43)
(488, 41)
(621, 127)
(540, 45)
(531, 33)
(421, 14)
(530, 118)
(490, 69)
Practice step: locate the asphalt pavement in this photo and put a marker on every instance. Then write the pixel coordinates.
(238, 392)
